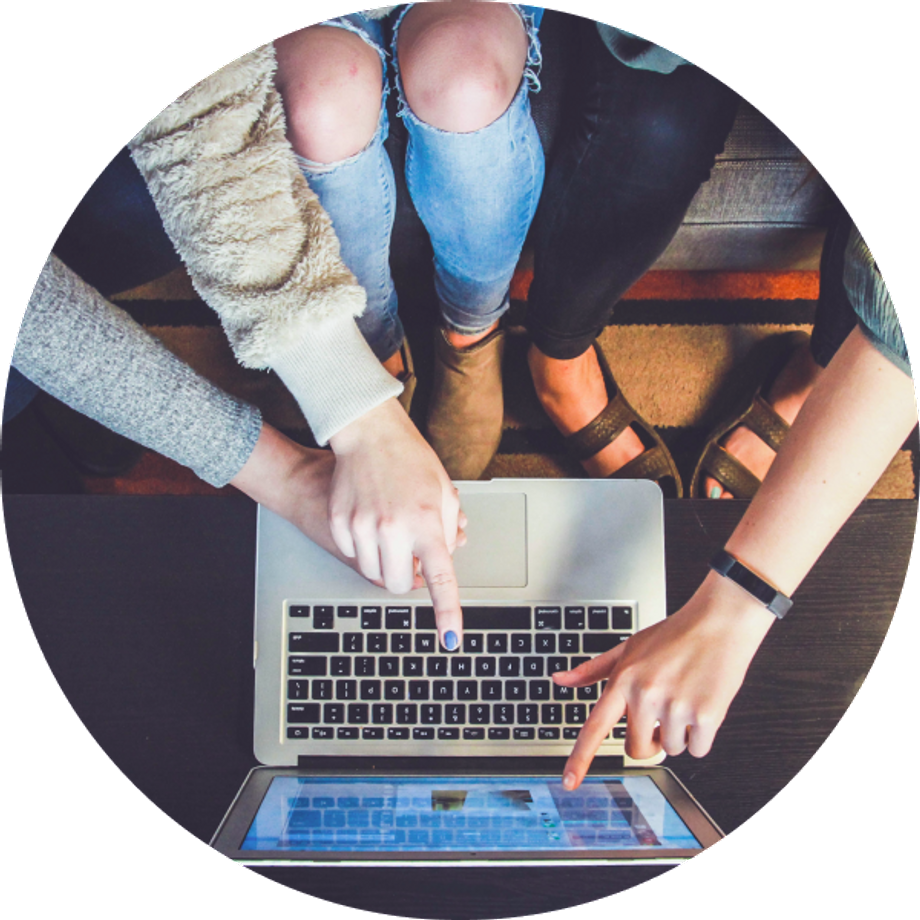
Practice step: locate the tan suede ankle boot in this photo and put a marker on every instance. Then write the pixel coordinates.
(407, 378)
(466, 410)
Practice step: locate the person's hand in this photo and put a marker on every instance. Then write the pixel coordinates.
(394, 510)
(295, 482)
(674, 681)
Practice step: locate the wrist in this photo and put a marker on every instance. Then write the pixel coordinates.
(268, 475)
(768, 595)
(727, 606)
(371, 427)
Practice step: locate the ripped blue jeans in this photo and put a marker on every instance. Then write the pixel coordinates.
(476, 194)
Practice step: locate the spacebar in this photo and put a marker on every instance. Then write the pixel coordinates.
(480, 618)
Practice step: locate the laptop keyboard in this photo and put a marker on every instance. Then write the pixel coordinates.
(378, 672)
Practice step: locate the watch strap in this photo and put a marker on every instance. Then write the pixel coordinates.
(729, 567)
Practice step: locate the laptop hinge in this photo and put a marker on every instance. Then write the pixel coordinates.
(391, 766)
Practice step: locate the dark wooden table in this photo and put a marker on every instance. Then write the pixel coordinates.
(143, 609)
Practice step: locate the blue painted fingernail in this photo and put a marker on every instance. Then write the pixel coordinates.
(715, 492)
(450, 640)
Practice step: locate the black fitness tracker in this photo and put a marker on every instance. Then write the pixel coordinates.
(728, 566)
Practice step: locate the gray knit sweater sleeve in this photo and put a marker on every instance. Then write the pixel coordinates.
(90, 354)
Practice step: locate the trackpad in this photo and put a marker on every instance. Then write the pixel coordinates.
(495, 555)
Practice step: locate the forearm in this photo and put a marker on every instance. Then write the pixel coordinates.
(677, 678)
(259, 248)
(88, 353)
(852, 424)
(292, 481)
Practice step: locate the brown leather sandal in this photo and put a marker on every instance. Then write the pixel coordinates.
(655, 463)
(761, 369)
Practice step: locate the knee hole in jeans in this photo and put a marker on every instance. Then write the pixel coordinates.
(461, 73)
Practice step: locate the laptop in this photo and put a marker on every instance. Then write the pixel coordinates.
(379, 746)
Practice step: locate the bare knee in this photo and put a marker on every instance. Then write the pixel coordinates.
(330, 82)
(461, 63)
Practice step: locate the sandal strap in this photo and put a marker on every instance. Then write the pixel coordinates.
(653, 464)
(609, 424)
(766, 423)
(729, 471)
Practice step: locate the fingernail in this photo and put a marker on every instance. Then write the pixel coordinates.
(715, 492)
(569, 781)
(450, 640)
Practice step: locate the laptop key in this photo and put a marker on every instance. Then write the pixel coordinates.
(455, 713)
(313, 666)
(388, 667)
(486, 666)
(340, 666)
(574, 617)
(397, 734)
(413, 667)
(533, 667)
(524, 734)
(371, 617)
(347, 733)
(298, 732)
(407, 713)
(450, 734)
(431, 713)
(419, 689)
(300, 713)
(382, 713)
(394, 690)
(547, 618)
(370, 689)
(515, 689)
(347, 612)
(528, 714)
(548, 734)
(425, 644)
(365, 666)
(467, 690)
(471, 734)
(509, 667)
(520, 643)
(323, 617)
(398, 618)
(539, 689)
(401, 643)
(377, 642)
(601, 642)
(333, 713)
(576, 713)
(499, 734)
(323, 733)
(322, 689)
(473, 643)
(443, 690)
(346, 689)
(551, 713)
(570, 734)
(621, 618)
(353, 642)
(461, 667)
(497, 644)
(491, 689)
(598, 618)
(480, 713)
(436, 667)
(298, 689)
(372, 734)
(298, 610)
(569, 643)
(546, 644)
(359, 714)
(313, 642)
(423, 734)
(503, 714)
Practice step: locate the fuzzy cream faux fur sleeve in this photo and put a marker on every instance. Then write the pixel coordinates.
(258, 246)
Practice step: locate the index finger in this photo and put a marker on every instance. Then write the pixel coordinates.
(438, 571)
(606, 713)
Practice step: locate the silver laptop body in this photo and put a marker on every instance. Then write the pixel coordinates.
(547, 545)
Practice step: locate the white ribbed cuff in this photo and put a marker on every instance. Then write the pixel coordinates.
(334, 376)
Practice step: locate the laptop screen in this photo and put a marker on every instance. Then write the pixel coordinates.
(464, 814)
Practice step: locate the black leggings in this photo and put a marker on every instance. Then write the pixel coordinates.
(637, 146)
